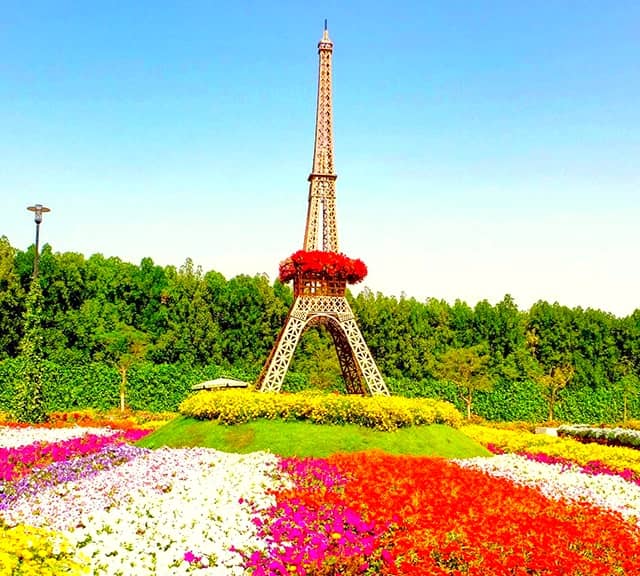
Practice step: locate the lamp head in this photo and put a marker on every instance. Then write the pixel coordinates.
(38, 210)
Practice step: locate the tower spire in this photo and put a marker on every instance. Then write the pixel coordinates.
(321, 231)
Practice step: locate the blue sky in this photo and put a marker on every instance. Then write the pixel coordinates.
(482, 148)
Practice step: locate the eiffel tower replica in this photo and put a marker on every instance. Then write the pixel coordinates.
(319, 272)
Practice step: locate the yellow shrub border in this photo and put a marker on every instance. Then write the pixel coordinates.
(378, 412)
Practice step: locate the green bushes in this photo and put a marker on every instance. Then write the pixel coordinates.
(28, 405)
(162, 387)
(379, 412)
(159, 388)
(510, 401)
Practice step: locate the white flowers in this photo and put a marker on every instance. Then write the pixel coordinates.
(16, 437)
(143, 516)
(556, 481)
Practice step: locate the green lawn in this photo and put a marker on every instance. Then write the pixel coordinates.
(308, 439)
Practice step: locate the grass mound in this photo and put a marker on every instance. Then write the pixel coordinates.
(304, 438)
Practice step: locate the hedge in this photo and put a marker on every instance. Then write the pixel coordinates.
(154, 387)
(162, 387)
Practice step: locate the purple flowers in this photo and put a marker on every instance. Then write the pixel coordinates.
(75, 468)
(16, 462)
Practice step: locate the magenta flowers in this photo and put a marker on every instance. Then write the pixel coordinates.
(17, 462)
(311, 526)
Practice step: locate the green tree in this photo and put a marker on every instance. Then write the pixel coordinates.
(252, 315)
(316, 357)
(550, 334)
(123, 347)
(191, 333)
(503, 328)
(461, 321)
(550, 340)
(627, 384)
(468, 370)
(595, 354)
(551, 382)
(11, 301)
(29, 400)
(385, 331)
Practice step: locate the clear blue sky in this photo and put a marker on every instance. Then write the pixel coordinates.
(482, 148)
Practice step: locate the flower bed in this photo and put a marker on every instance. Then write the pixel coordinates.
(17, 460)
(593, 467)
(607, 436)
(621, 459)
(126, 510)
(563, 480)
(329, 265)
(411, 515)
(15, 437)
(25, 550)
(143, 516)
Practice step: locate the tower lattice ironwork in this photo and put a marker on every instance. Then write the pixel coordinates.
(319, 297)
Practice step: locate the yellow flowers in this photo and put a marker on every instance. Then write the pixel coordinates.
(379, 412)
(29, 551)
(618, 458)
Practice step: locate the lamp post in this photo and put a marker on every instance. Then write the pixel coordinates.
(38, 210)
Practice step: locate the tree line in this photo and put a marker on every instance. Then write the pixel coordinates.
(99, 309)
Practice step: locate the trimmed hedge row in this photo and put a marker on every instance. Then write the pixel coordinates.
(378, 412)
(161, 387)
(153, 387)
(511, 401)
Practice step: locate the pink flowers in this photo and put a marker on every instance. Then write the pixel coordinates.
(195, 560)
(17, 462)
(190, 557)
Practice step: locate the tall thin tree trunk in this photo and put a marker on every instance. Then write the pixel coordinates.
(123, 387)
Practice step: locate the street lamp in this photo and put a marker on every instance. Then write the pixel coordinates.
(38, 210)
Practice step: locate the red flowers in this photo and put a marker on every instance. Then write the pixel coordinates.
(329, 265)
(403, 515)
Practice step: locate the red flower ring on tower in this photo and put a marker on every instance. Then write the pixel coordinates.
(329, 265)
